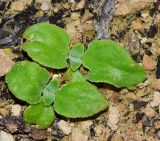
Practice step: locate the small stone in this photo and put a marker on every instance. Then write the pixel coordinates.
(148, 62)
(44, 6)
(127, 7)
(75, 16)
(137, 25)
(6, 63)
(156, 99)
(116, 137)
(113, 118)
(142, 85)
(78, 135)
(85, 125)
(149, 111)
(99, 130)
(20, 5)
(64, 126)
(4, 136)
(66, 5)
(71, 1)
(156, 84)
(16, 110)
(145, 15)
(80, 5)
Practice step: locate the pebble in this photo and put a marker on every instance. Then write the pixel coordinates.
(4, 136)
(6, 63)
(149, 111)
(116, 137)
(44, 6)
(138, 25)
(113, 118)
(156, 99)
(20, 5)
(148, 62)
(16, 110)
(142, 85)
(130, 6)
(145, 14)
(71, 1)
(99, 130)
(78, 135)
(64, 126)
(80, 5)
(75, 16)
(85, 125)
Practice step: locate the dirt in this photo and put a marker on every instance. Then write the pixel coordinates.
(133, 114)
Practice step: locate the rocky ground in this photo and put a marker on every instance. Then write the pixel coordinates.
(134, 113)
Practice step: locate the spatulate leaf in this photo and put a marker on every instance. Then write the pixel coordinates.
(26, 81)
(49, 92)
(108, 62)
(79, 99)
(47, 44)
(75, 56)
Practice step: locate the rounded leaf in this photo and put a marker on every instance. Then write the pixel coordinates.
(47, 44)
(79, 99)
(26, 81)
(108, 62)
(40, 115)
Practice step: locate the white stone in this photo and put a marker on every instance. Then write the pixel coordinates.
(44, 6)
(156, 99)
(20, 5)
(85, 125)
(80, 5)
(75, 16)
(113, 118)
(78, 135)
(16, 110)
(4, 136)
(64, 126)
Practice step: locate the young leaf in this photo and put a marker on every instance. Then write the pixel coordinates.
(73, 75)
(49, 92)
(108, 62)
(75, 56)
(47, 44)
(40, 115)
(79, 99)
(26, 81)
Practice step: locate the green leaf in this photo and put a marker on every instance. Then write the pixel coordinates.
(26, 81)
(79, 99)
(49, 92)
(73, 75)
(47, 44)
(75, 56)
(40, 115)
(108, 62)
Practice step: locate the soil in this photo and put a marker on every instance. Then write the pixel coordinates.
(133, 113)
